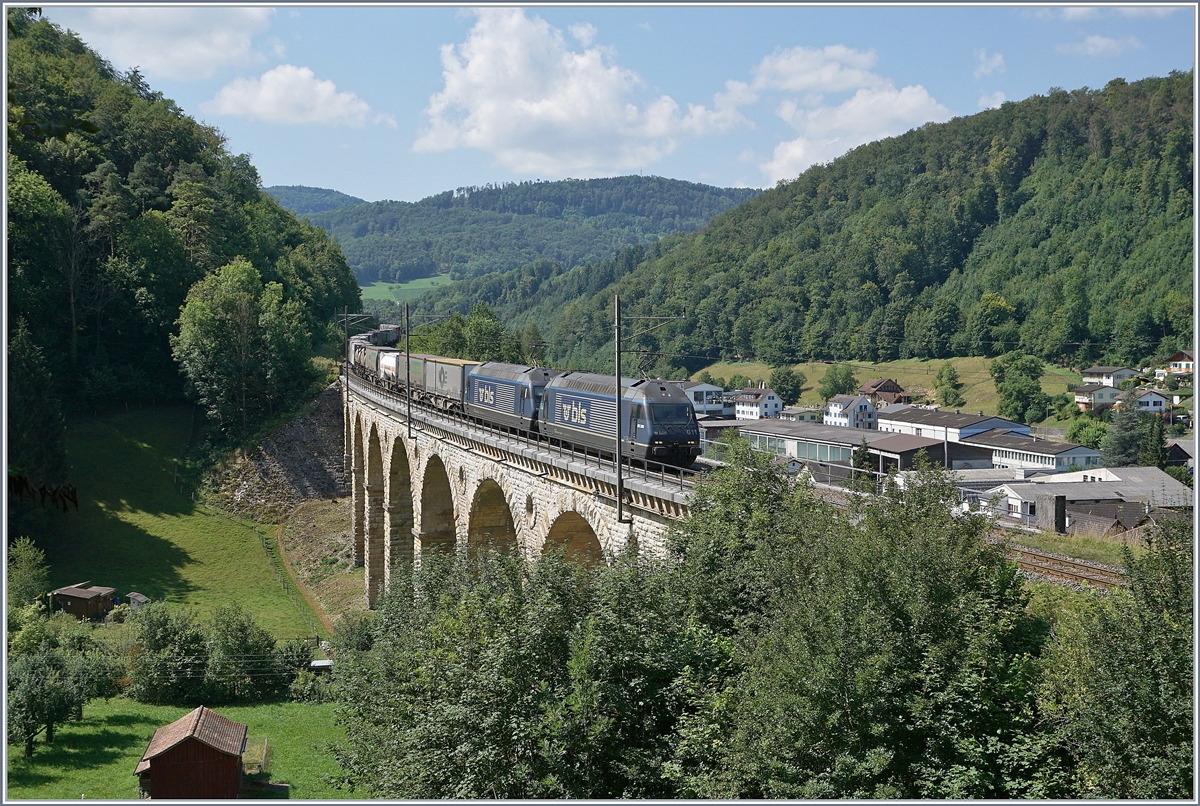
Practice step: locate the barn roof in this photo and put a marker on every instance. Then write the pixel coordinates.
(83, 591)
(209, 727)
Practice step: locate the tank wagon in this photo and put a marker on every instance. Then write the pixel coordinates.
(658, 421)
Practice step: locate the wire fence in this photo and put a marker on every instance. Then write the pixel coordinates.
(285, 580)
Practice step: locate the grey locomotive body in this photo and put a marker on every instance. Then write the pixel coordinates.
(658, 422)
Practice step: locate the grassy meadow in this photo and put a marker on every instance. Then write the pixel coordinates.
(135, 531)
(914, 374)
(399, 292)
(95, 758)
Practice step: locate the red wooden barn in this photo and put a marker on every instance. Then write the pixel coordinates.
(196, 756)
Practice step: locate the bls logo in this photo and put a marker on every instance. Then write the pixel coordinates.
(574, 413)
(485, 394)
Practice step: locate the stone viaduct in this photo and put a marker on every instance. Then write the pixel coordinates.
(454, 485)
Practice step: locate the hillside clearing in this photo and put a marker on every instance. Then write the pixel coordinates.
(398, 292)
(135, 531)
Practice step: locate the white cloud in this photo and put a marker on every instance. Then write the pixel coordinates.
(876, 108)
(1079, 12)
(869, 114)
(169, 42)
(289, 94)
(1100, 46)
(1157, 12)
(517, 90)
(988, 64)
(585, 32)
(992, 101)
(835, 68)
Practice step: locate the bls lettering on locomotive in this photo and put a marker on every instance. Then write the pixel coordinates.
(485, 393)
(574, 412)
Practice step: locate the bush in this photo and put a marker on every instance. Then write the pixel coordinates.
(310, 687)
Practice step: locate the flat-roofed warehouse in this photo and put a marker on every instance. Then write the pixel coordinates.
(834, 446)
(1017, 451)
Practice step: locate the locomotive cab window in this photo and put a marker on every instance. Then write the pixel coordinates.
(672, 413)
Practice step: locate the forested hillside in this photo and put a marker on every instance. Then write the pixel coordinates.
(477, 230)
(1060, 225)
(120, 208)
(303, 200)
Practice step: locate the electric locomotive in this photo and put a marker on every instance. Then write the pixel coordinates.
(658, 421)
(507, 394)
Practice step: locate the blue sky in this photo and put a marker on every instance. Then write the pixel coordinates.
(404, 102)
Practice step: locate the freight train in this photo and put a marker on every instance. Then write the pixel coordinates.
(576, 408)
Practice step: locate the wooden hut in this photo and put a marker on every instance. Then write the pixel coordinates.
(198, 756)
(84, 600)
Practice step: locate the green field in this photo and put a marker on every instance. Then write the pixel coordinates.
(398, 292)
(914, 374)
(135, 531)
(95, 758)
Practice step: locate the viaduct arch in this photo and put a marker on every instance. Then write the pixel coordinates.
(449, 485)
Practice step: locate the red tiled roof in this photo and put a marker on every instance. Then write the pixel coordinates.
(205, 726)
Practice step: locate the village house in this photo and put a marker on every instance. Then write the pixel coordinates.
(198, 756)
(1108, 376)
(1179, 365)
(803, 414)
(850, 411)
(706, 398)
(1096, 397)
(1150, 401)
(757, 404)
(883, 391)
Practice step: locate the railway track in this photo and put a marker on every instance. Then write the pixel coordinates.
(1055, 567)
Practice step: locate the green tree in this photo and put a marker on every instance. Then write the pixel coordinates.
(1129, 722)
(1087, 431)
(1153, 449)
(243, 663)
(169, 657)
(242, 348)
(28, 574)
(1122, 444)
(838, 380)
(949, 387)
(788, 384)
(40, 695)
(858, 683)
(1017, 377)
(739, 381)
(36, 427)
(533, 346)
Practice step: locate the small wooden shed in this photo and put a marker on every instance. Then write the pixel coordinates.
(137, 600)
(198, 756)
(84, 600)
